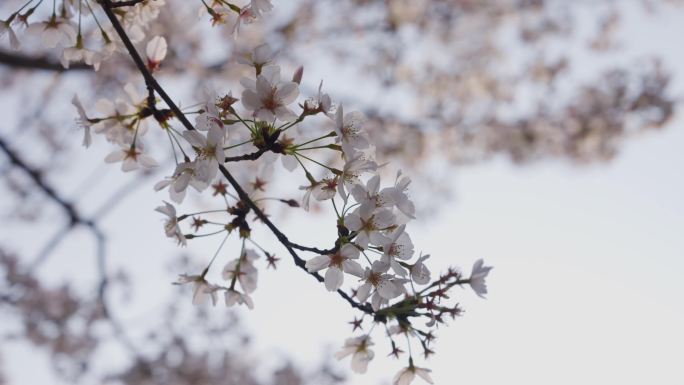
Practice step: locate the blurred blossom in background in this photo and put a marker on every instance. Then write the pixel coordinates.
(543, 136)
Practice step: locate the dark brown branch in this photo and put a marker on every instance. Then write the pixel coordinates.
(127, 3)
(16, 60)
(251, 156)
(37, 178)
(151, 81)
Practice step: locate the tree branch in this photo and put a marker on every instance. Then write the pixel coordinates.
(16, 60)
(152, 82)
(127, 3)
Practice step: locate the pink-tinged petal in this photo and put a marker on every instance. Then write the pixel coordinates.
(69, 33)
(156, 49)
(162, 184)
(333, 278)
(287, 92)
(349, 251)
(129, 165)
(265, 115)
(285, 114)
(289, 162)
(317, 263)
(388, 289)
(360, 361)
(376, 301)
(339, 120)
(353, 268)
(263, 87)
(50, 38)
(404, 377)
(248, 84)
(353, 222)
(363, 292)
(424, 374)
(116, 156)
(195, 138)
(147, 161)
(345, 352)
(251, 100)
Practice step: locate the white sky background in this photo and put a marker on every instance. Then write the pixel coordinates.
(588, 263)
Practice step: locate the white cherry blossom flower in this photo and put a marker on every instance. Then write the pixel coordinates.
(202, 290)
(349, 131)
(55, 31)
(269, 97)
(183, 176)
(406, 375)
(322, 102)
(399, 196)
(477, 277)
(131, 158)
(210, 117)
(353, 168)
(243, 270)
(419, 272)
(261, 56)
(235, 297)
(78, 53)
(361, 355)
(369, 224)
(325, 189)
(397, 246)
(383, 284)
(338, 263)
(171, 226)
(209, 152)
(370, 196)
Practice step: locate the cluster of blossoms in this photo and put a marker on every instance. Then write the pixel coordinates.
(75, 28)
(65, 28)
(373, 252)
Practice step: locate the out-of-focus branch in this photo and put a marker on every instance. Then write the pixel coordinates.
(16, 60)
(35, 175)
(74, 219)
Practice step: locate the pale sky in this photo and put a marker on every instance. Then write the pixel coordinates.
(586, 287)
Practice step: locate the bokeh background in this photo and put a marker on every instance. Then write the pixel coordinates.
(583, 225)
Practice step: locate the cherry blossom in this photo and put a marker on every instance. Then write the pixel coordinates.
(407, 374)
(369, 224)
(131, 158)
(337, 263)
(269, 97)
(202, 290)
(171, 226)
(419, 272)
(55, 31)
(349, 131)
(361, 355)
(477, 278)
(397, 246)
